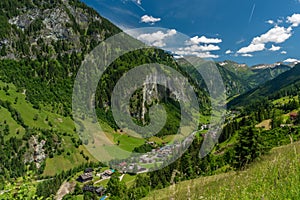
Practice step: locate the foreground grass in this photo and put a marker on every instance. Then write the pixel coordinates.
(274, 176)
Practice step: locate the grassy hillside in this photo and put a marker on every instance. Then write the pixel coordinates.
(41, 119)
(274, 176)
(70, 155)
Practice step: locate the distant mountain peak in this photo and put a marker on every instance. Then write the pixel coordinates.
(269, 66)
(233, 64)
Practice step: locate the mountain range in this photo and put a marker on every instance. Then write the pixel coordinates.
(42, 46)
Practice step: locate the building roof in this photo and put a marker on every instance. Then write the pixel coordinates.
(86, 176)
(87, 170)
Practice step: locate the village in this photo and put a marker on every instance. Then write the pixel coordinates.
(91, 179)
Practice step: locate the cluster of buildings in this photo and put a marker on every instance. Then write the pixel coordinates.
(88, 176)
(157, 155)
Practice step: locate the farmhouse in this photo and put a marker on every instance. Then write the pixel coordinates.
(98, 190)
(88, 170)
(85, 177)
(293, 116)
(107, 174)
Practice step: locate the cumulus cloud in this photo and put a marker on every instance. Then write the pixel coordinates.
(156, 38)
(291, 60)
(270, 22)
(252, 48)
(228, 52)
(247, 55)
(274, 48)
(149, 19)
(283, 52)
(209, 47)
(276, 35)
(294, 20)
(203, 39)
(195, 53)
(201, 51)
(200, 47)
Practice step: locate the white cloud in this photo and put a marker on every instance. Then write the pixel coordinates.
(276, 35)
(272, 22)
(247, 55)
(149, 19)
(279, 21)
(198, 54)
(202, 48)
(206, 55)
(156, 38)
(294, 20)
(274, 48)
(203, 39)
(252, 48)
(283, 52)
(291, 60)
(228, 52)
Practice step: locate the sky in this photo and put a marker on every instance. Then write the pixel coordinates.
(245, 31)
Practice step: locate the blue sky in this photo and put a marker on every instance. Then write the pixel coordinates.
(246, 31)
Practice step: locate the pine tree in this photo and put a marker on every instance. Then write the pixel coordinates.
(116, 188)
(248, 147)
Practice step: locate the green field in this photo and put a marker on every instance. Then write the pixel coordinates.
(129, 180)
(127, 142)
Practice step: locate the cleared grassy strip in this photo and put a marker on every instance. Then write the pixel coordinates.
(14, 127)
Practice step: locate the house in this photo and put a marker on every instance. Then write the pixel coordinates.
(141, 169)
(88, 170)
(85, 177)
(88, 188)
(107, 173)
(98, 190)
(123, 164)
(293, 116)
(146, 160)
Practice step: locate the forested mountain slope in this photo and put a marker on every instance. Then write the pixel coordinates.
(240, 78)
(285, 84)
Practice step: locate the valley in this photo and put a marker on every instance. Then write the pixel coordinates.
(45, 149)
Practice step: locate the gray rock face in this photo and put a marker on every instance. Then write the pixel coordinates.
(66, 25)
(36, 152)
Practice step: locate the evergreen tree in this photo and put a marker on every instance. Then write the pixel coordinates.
(116, 188)
(248, 147)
